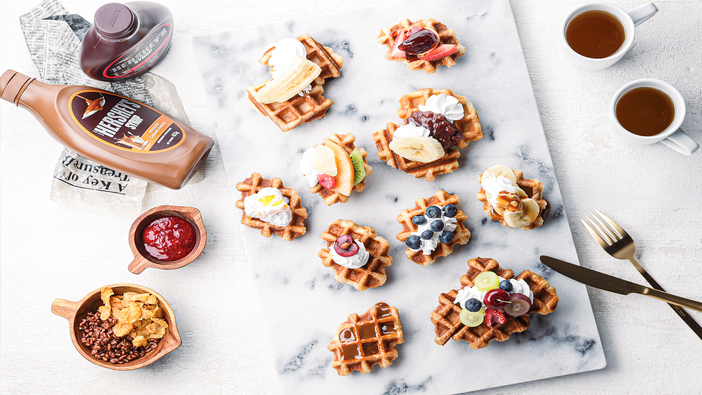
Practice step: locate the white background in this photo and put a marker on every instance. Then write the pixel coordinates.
(53, 251)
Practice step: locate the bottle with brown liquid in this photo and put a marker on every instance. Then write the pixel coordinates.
(113, 130)
(126, 40)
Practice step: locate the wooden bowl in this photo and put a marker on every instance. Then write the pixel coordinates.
(142, 259)
(75, 312)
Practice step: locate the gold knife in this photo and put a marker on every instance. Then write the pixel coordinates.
(613, 284)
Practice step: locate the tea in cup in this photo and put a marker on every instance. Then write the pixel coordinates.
(597, 35)
(647, 111)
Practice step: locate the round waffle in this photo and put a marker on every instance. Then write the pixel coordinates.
(461, 234)
(446, 36)
(446, 316)
(363, 342)
(312, 105)
(370, 275)
(345, 141)
(534, 190)
(255, 183)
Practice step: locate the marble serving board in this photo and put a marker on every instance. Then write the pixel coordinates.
(302, 302)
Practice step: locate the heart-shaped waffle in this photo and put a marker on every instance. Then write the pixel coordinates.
(446, 36)
(362, 342)
(446, 316)
(534, 190)
(345, 141)
(255, 183)
(461, 234)
(370, 275)
(312, 105)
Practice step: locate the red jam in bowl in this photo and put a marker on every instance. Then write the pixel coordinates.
(169, 238)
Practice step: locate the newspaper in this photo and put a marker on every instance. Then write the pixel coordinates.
(53, 37)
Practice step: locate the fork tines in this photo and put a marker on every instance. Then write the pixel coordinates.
(603, 233)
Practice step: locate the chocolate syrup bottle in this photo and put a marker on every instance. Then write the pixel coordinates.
(126, 40)
(112, 130)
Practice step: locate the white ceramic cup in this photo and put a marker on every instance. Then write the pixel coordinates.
(629, 20)
(672, 136)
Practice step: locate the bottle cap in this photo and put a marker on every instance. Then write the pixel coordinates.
(12, 85)
(115, 20)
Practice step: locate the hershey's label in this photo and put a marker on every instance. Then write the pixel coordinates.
(124, 123)
(145, 54)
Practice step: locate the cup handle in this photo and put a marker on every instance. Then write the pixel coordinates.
(681, 142)
(642, 13)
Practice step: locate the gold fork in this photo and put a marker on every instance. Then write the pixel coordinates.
(620, 245)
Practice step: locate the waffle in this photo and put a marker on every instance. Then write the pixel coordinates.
(370, 275)
(469, 125)
(346, 141)
(461, 234)
(533, 188)
(313, 105)
(255, 183)
(446, 36)
(446, 316)
(362, 342)
(428, 171)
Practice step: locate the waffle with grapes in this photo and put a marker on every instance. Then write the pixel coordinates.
(312, 105)
(370, 275)
(461, 233)
(345, 141)
(533, 189)
(446, 36)
(446, 316)
(363, 342)
(295, 228)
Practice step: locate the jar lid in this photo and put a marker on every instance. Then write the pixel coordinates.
(115, 20)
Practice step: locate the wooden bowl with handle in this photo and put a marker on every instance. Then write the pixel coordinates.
(143, 260)
(75, 312)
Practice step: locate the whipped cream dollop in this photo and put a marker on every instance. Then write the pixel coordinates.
(269, 205)
(354, 261)
(518, 286)
(429, 245)
(306, 166)
(410, 130)
(448, 106)
(284, 55)
(494, 185)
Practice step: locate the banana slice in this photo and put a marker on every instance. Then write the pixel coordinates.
(500, 170)
(417, 148)
(524, 218)
(288, 83)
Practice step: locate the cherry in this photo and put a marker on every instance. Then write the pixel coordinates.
(345, 246)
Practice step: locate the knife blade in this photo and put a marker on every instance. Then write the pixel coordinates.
(612, 284)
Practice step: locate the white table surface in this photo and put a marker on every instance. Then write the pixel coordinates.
(53, 251)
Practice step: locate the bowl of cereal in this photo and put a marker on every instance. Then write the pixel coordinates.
(120, 326)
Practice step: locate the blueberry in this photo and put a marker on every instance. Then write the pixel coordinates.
(419, 220)
(473, 305)
(436, 225)
(433, 212)
(414, 242)
(506, 285)
(450, 210)
(427, 234)
(446, 237)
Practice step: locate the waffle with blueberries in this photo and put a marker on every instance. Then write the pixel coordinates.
(428, 224)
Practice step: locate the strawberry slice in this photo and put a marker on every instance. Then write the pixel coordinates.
(394, 51)
(327, 181)
(493, 317)
(440, 52)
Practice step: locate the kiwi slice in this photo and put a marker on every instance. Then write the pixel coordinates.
(359, 171)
